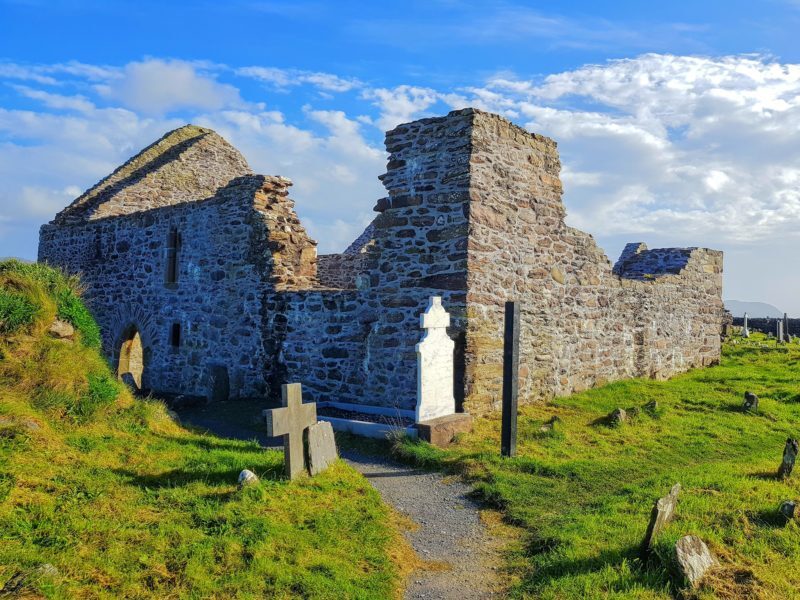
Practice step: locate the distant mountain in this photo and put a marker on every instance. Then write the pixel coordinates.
(753, 309)
(25, 260)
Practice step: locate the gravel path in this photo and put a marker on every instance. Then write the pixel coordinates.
(450, 532)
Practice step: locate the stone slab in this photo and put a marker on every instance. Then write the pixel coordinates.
(321, 447)
(694, 558)
(442, 430)
(661, 515)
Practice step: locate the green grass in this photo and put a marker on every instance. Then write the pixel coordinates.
(582, 493)
(126, 503)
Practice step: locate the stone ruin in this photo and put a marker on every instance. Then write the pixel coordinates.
(206, 268)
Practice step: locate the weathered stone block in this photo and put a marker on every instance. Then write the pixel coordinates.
(321, 447)
(441, 431)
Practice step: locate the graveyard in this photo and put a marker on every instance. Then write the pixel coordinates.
(581, 489)
(427, 300)
(104, 493)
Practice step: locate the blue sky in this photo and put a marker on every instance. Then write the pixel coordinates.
(677, 125)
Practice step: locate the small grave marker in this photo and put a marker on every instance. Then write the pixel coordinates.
(321, 447)
(789, 456)
(291, 421)
(745, 330)
(750, 402)
(661, 515)
(247, 477)
(787, 509)
(694, 558)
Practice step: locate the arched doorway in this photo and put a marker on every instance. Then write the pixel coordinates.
(131, 356)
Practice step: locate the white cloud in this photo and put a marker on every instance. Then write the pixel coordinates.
(673, 150)
(401, 104)
(57, 101)
(157, 87)
(287, 78)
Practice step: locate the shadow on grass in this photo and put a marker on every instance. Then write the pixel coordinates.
(765, 475)
(772, 519)
(211, 444)
(649, 575)
(182, 477)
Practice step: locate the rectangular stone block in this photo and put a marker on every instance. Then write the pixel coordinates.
(442, 430)
(321, 447)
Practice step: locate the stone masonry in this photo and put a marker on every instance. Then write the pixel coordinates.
(473, 214)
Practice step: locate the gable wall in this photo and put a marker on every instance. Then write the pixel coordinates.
(233, 247)
(582, 325)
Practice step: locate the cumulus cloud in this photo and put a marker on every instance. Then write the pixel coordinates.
(668, 149)
(158, 86)
(401, 104)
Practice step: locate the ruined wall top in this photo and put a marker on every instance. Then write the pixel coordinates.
(188, 164)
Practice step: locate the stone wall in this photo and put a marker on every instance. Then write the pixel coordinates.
(233, 247)
(473, 214)
(582, 325)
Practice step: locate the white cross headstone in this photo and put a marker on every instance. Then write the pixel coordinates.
(435, 364)
(745, 330)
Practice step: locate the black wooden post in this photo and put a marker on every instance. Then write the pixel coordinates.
(508, 443)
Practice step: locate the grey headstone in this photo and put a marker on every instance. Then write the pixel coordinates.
(661, 515)
(788, 509)
(321, 447)
(750, 402)
(618, 416)
(651, 407)
(694, 558)
(247, 477)
(789, 456)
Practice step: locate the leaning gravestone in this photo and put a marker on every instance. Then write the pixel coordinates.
(321, 447)
(291, 421)
(789, 456)
(663, 511)
(750, 402)
(694, 558)
(435, 364)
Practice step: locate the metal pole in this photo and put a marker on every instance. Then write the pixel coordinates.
(508, 443)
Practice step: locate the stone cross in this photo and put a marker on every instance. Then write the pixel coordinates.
(435, 364)
(291, 421)
(789, 457)
(745, 330)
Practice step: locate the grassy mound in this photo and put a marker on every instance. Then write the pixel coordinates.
(583, 490)
(104, 496)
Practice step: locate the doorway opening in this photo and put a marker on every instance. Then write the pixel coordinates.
(131, 356)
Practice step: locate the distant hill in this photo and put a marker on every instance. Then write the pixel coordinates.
(22, 260)
(753, 309)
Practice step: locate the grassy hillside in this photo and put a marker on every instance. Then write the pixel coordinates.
(583, 491)
(104, 496)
